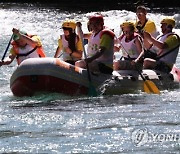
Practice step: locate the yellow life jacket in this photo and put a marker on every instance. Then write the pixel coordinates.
(149, 27)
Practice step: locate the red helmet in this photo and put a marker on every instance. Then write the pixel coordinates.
(97, 17)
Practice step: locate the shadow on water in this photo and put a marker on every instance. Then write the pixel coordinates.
(8, 133)
(60, 102)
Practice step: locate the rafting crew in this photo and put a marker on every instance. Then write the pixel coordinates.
(166, 46)
(69, 44)
(100, 47)
(131, 46)
(24, 46)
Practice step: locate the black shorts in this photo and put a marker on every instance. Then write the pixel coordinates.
(163, 67)
(150, 54)
(104, 69)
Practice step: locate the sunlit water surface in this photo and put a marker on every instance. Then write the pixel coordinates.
(55, 123)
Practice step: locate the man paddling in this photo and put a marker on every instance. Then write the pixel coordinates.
(145, 24)
(167, 42)
(24, 46)
(100, 47)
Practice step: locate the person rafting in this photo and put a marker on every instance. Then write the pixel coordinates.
(24, 46)
(145, 24)
(69, 43)
(100, 47)
(131, 47)
(166, 46)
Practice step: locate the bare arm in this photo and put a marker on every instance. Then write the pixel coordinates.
(155, 42)
(8, 60)
(58, 51)
(76, 54)
(27, 39)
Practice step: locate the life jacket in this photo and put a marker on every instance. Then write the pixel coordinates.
(149, 27)
(94, 45)
(171, 57)
(27, 51)
(129, 48)
(65, 44)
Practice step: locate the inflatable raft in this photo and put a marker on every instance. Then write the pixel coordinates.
(53, 75)
(126, 81)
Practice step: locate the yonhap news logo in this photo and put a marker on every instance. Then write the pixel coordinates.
(142, 136)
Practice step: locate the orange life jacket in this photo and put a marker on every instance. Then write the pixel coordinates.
(39, 50)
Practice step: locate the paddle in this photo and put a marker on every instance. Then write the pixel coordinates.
(7, 48)
(60, 55)
(92, 90)
(149, 86)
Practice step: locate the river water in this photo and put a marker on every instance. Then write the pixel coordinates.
(56, 123)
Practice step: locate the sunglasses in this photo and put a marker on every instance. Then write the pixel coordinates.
(66, 28)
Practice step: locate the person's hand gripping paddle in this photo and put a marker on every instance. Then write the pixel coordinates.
(92, 90)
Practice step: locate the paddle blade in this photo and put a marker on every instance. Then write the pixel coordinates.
(150, 87)
(92, 91)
